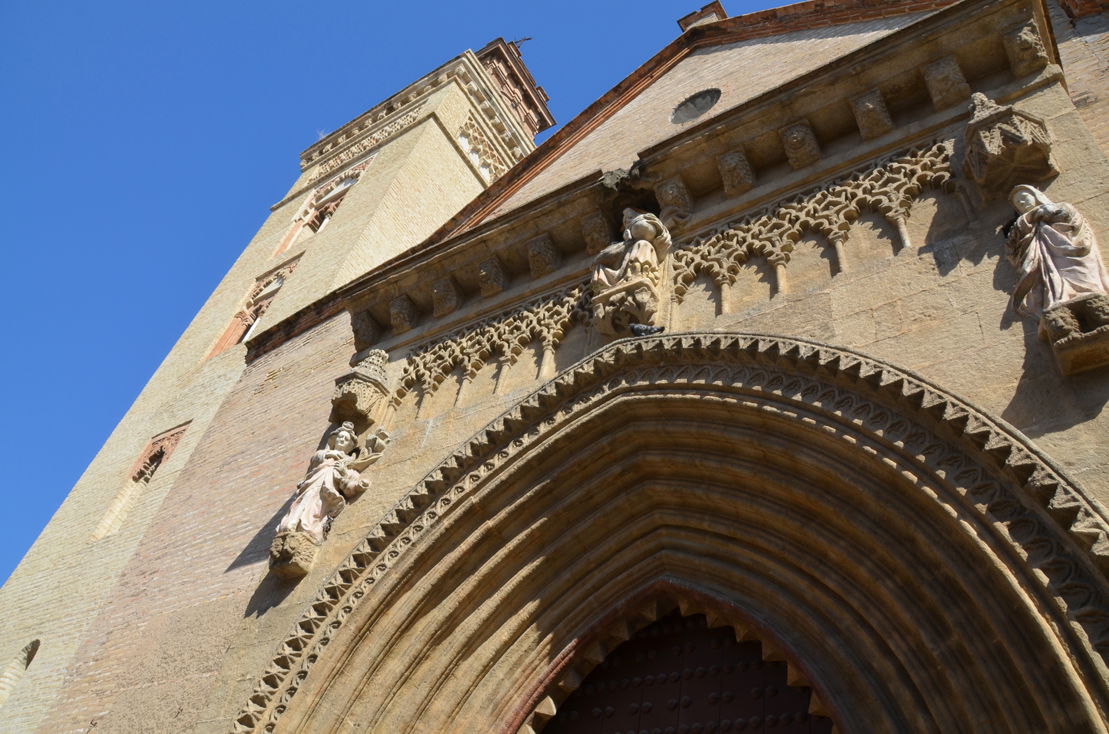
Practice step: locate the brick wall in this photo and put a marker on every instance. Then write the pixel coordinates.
(1083, 42)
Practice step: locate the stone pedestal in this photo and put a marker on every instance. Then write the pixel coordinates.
(292, 555)
(1079, 333)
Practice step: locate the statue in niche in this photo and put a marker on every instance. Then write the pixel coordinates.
(626, 277)
(1062, 280)
(333, 480)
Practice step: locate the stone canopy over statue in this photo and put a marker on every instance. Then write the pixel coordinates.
(1062, 279)
(333, 480)
(626, 278)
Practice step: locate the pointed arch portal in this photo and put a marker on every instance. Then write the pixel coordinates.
(917, 563)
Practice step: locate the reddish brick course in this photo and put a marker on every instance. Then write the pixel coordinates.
(1080, 8)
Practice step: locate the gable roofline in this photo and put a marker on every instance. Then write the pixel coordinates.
(761, 24)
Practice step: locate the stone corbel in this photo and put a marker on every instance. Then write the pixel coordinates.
(1025, 49)
(445, 296)
(800, 144)
(543, 256)
(945, 81)
(675, 200)
(1005, 146)
(402, 314)
(736, 172)
(596, 232)
(491, 277)
(871, 115)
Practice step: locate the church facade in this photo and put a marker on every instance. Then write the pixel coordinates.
(767, 394)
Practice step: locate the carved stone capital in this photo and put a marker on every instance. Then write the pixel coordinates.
(1025, 49)
(800, 144)
(736, 172)
(445, 296)
(596, 232)
(543, 256)
(491, 277)
(871, 114)
(945, 81)
(402, 314)
(675, 200)
(1005, 146)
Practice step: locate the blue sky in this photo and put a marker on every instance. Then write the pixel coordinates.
(146, 142)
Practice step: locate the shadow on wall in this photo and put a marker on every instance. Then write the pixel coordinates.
(258, 549)
(1044, 401)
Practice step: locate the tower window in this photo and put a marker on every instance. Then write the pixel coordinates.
(245, 320)
(156, 453)
(16, 668)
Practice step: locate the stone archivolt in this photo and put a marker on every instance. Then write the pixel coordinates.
(889, 188)
(928, 566)
(504, 337)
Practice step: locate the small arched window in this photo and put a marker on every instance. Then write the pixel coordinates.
(16, 668)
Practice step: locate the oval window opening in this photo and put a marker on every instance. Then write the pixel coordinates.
(695, 105)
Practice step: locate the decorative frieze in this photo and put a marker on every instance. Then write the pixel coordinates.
(889, 187)
(736, 172)
(1025, 49)
(491, 277)
(945, 81)
(543, 257)
(368, 143)
(503, 337)
(871, 114)
(402, 314)
(1005, 146)
(800, 144)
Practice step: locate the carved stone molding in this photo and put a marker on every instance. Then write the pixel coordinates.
(1005, 146)
(871, 115)
(491, 277)
(675, 200)
(596, 232)
(543, 257)
(402, 314)
(945, 81)
(445, 296)
(800, 144)
(156, 453)
(1046, 532)
(368, 143)
(1025, 49)
(502, 337)
(736, 172)
(889, 186)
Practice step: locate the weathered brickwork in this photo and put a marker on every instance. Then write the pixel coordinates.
(1083, 39)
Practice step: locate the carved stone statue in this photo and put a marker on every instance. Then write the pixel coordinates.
(333, 480)
(1062, 278)
(626, 277)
